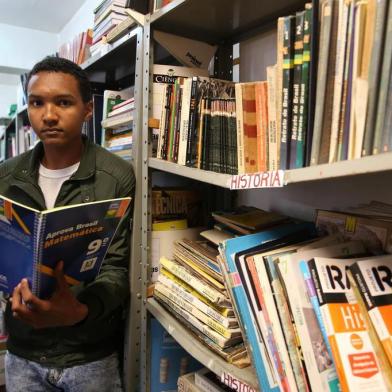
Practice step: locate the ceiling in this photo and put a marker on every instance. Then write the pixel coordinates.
(45, 15)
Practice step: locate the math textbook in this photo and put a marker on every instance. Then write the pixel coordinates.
(32, 242)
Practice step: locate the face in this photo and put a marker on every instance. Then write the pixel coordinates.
(56, 109)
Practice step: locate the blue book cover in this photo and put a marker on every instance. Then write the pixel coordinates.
(311, 291)
(230, 248)
(168, 360)
(33, 242)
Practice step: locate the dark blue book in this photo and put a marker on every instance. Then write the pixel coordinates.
(32, 242)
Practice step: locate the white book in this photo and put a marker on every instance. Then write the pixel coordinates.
(320, 368)
(343, 15)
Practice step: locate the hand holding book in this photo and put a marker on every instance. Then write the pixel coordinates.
(62, 309)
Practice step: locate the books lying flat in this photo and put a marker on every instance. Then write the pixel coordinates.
(33, 242)
(249, 218)
(203, 288)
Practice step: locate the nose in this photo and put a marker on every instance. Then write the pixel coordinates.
(50, 114)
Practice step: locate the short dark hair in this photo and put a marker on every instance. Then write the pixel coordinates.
(58, 64)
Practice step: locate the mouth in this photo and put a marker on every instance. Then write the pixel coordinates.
(51, 131)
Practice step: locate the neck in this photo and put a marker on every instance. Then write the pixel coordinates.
(56, 157)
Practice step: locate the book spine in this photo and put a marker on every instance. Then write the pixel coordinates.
(345, 87)
(270, 112)
(325, 38)
(304, 90)
(279, 85)
(288, 65)
(312, 290)
(177, 124)
(218, 339)
(211, 294)
(387, 134)
(39, 229)
(188, 294)
(262, 125)
(184, 122)
(192, 127)
(374, 77)
(240, 129)
(314, 47)
(228, 333)
(343, 15)
(297, 72)
(289, 329)
(382, 108)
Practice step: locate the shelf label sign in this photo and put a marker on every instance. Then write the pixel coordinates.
(235, 384)
(270, 179)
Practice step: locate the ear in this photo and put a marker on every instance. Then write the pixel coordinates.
(88, 110)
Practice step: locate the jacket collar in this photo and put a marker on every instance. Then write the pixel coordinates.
(27, 168)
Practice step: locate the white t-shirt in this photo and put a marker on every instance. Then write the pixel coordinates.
(50, 181)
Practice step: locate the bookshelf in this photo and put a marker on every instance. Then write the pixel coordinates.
(229, 22)
(120, 65)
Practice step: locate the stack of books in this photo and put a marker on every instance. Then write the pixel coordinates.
(107, 16)
(316, 310)
(191, 287)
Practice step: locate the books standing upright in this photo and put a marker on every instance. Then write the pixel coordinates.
(33, 242)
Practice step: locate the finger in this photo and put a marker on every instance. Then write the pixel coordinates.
(28, 297)
(16, 300)
(59, 274)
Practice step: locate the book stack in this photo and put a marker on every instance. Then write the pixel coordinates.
(107, 15)
(191, 287)
(316, 310)
(117, 122)
(78, 50)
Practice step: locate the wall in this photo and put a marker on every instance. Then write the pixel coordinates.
(21, 48)
(81, 21)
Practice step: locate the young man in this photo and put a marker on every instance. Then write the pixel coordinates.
(70, 341)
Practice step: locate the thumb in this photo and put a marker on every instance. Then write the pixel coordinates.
(59, 275)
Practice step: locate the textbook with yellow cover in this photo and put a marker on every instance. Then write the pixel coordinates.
(32, 242)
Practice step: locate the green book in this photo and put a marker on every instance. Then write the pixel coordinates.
(304, 95)
(297, 84)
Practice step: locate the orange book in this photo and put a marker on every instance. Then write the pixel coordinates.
(373, 278)
(261, 97)
(357, 364)
(249, 127)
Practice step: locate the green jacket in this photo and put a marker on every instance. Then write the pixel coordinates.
(101, 175)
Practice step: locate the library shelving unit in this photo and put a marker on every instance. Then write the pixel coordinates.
(120, 65)
(224, 23)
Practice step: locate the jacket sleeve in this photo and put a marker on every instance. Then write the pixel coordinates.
(110, 290)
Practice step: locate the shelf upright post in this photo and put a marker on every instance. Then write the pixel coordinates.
(132, 338)
(144, 185)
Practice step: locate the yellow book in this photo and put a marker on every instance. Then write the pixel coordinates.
(179, 224)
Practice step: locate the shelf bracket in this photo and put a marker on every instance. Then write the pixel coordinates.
(136, 16)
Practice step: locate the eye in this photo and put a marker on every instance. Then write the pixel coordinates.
(64, 103)
(35, 103)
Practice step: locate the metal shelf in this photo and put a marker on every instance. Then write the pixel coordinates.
(115, 54)
(372, 164)
(195, 348)
(354, 167)
(209, 177)
(219, 20)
